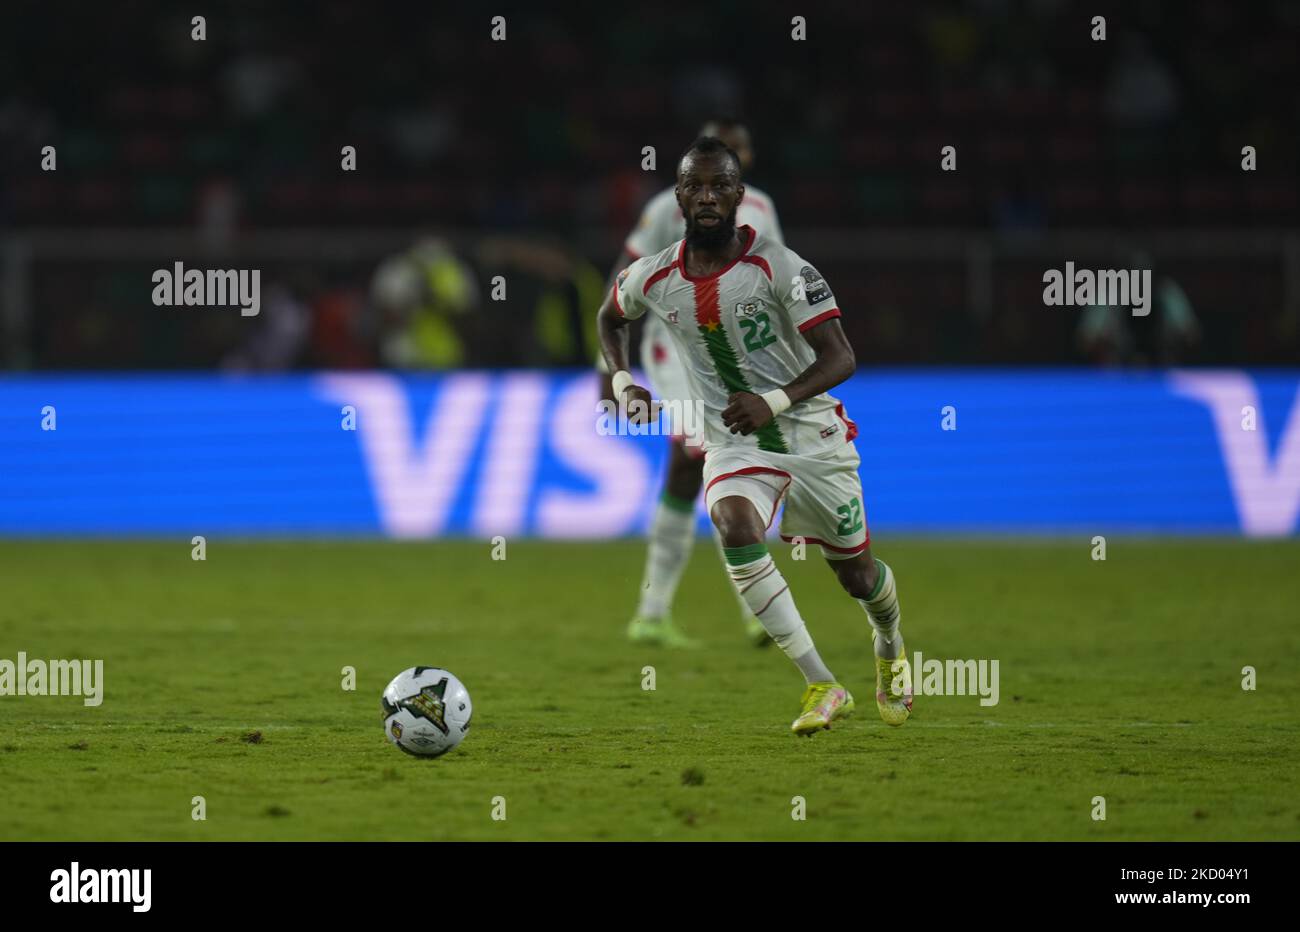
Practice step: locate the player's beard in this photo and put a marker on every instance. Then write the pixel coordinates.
(715, 237)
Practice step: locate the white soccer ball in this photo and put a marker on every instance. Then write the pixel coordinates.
(426, 711)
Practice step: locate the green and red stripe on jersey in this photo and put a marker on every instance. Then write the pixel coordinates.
(708, 319)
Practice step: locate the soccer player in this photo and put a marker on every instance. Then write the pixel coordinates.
(758, 331)
(672, 530)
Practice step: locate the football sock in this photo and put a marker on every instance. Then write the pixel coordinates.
(767, 595)
(672, 535)
(741, 604)
(882, 608)
(812, 668)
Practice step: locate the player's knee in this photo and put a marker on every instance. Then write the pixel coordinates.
(737, 522)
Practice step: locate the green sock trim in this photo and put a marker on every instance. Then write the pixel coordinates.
(739, 556)
(880, 579)
(677, 504)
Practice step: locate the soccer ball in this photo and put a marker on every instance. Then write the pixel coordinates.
(426, 711)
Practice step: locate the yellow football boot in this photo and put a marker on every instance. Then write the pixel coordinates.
(823, 703)
(894, 688)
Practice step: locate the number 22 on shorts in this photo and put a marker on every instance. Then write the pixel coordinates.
(850, 518)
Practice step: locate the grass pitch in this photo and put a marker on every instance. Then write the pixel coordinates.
(1120, 679)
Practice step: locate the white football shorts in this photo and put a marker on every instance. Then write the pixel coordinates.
(822, 494)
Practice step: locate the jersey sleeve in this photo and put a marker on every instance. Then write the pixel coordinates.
(801, 291)
(629, 297)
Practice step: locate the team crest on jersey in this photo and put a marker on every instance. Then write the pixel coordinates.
(815, 288)
(748, 308)
(672, 316)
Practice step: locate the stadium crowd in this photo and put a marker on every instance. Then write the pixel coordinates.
(537, 174)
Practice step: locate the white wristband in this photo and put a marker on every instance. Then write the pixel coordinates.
(777, 400)
(622, 380)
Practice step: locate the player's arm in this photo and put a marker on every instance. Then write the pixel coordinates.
(605, 374)
(611, 326)
(835, 362)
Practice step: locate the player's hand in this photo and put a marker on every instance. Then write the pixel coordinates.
(745, 413)
(637, 405)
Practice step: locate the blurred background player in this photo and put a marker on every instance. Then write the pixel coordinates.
(419, 294)
(672, 530)
(1111, 337)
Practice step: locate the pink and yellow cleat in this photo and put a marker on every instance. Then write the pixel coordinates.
(894, 688)
(823, 703)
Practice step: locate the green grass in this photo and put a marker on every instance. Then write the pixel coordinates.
(1119, 679)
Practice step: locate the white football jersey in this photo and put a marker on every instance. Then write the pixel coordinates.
(739, 330)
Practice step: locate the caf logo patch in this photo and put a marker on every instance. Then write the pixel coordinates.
(814, 286)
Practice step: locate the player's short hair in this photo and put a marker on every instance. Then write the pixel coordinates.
(710, 145)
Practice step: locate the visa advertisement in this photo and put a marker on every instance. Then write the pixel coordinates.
(523, 453)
